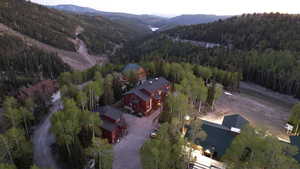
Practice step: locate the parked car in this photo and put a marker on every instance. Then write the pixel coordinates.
(139, 115)
(91, 164)
(154, 133)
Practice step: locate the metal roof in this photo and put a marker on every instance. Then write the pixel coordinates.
(236, 121)
(139, 93)
(219, 136)
(111, 112)
(154, 84)
(131, 67)
(109, 126)
(150, 86)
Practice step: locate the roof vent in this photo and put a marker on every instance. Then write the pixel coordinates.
(150, 82)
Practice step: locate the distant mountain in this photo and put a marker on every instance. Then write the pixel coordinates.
(148, 19)
(141, 22)
(74, 8)
(144, 20)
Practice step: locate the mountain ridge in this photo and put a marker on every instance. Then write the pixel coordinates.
(146, 20)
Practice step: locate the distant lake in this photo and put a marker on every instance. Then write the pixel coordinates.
(153, 29)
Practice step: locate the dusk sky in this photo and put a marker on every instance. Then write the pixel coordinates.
(178, 7)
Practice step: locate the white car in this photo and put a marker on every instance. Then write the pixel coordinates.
(91, 164)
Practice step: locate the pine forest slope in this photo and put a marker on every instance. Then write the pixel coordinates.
(39, 43)
(249, 31)
(263, 47)
(57, 28)
(183, 20)
(25, 64)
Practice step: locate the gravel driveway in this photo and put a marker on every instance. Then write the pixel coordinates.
(126, 153)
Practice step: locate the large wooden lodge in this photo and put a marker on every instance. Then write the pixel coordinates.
(145, 98)
(148, 96)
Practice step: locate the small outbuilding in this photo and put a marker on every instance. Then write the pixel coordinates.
(113, 123)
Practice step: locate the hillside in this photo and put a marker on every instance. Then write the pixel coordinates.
(187, 20)
(57, 28)
(259, 31)
(48, 26)
(263, 47)
(40, 43)
(25, 64)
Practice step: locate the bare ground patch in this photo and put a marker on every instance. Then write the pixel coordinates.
(79, 60)
(263, 108)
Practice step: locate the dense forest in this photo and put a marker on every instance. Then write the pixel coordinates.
(25, 64)
(274, 65)
(102, 35)
(48, 26)
(248, 31)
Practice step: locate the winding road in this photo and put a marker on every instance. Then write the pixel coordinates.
(43, 139)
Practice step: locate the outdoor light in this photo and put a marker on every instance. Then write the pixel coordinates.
(207, 151)
(187, 118)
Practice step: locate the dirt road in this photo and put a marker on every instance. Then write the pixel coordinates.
(79, 60)
(263, 108)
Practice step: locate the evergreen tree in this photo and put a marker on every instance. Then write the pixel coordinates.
(253, 149)
(108, 90)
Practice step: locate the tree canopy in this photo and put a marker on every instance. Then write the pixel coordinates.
(254, 149)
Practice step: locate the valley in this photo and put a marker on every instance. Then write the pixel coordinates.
(140, 91)
(141, 22)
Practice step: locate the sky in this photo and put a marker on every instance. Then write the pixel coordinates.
(178, 7)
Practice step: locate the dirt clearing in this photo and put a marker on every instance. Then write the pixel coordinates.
(263, 108)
